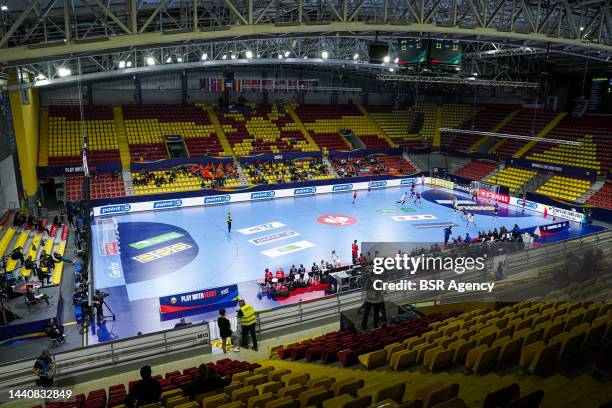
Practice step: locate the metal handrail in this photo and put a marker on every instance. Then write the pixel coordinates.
(281, 318)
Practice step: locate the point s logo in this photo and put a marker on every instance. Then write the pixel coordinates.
(168, 204)
(378, 184)
(260, 195)
(342, 187)
(407, 181)
(527, 203)
(217, 199)
(304, 190)
(113, 209)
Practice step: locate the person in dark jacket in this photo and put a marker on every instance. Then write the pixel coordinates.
(146, 391)
(206, 381)
(225, 330)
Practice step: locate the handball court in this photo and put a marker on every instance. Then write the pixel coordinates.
(193, 250)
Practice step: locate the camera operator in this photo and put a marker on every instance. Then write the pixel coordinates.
(98, 304)
(6, 315)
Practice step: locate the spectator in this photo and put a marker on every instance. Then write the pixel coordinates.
(354, 251)
(225, 330)
(146, 391)
(44, 368)
(32, 297)
(247, 322)
(205, 381)
(182, 323)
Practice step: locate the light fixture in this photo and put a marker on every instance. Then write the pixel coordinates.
(472, 78)
(233, 57)
(128, 64)
(391, 70)
(356, 57)
(204, 57)
(168, 60)
(179, 59)
(280, 56)
(258, 55)
(150, 61)
(325, 55)
(396, 60)
(457, 69)
(475, 74)
(40, 77)
(63, 72)
(121, 64)
(581, 28)
(386, 59)
(224, 56)
(249, 54)
(287, 53)
(4, 8)
(305, 56)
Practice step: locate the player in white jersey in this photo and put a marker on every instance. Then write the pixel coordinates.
(402, 199)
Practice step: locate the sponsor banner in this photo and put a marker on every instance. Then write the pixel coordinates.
(209, 299)
(549, 229)
(408, 181)
(115, 209)
(395, 210)
(527, 204)
(218, 199)
(273, 237)
(263, 195)
(261, 228)
(337, 220)
(463, 187)
(378, 184)
(476, 207)
(167, 204)
(443, 183)
(568, 214)
(161, 252)
(342, 187)
(468, 202)
(416, 217)
(434, 225)
(501, 198)
(287, 249)
(158, 239)
(305, 191)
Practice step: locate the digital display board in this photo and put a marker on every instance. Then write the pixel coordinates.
(600, 98)
(412, 51)
(446, 52)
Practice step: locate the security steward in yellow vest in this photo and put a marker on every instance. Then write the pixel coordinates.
(247, 322)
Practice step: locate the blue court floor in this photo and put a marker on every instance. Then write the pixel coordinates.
(139, 257)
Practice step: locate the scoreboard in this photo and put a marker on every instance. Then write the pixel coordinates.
(600, 98)
(412, 51)
(420, 51)
(446, 52)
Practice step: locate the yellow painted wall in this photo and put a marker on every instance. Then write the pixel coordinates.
(26, 126)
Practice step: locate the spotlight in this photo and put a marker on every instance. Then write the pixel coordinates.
(204, 57)
(63, 72)
(150, 61)
(475, 74)
(128, 64)
(179, 59)
(4, 8)
(280, 56)
(396, 60)
(249, 54)
(325, 55)
(168, 60)
(386, 59)
(581, 28)
(356, 57)
(224, 56)
(40, 77)
(121, 64)
(391, 70)
(287, 53)
(233, 57)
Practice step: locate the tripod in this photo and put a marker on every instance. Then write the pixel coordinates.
(100, 312)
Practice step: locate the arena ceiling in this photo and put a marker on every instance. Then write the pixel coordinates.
(99, 38)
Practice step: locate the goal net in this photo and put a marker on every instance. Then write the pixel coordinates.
(484, 190)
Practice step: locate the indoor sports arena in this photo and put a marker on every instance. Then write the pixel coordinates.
(297, 204)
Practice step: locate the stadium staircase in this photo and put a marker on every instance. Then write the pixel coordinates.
(122, 142)
(595, 188)
(289, 109)
(542, 133)
(481, 144)
(241, 176)
(227, 148)
(128, 184)
(43, 138)
(381, 132)
(332, 169)
(437, 124)
(406, 157)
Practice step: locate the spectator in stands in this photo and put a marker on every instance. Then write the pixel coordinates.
(55, 331)
(182, 323)
(354, 251)
(44, 369)
(205, 381)
(17, 255)
(247, 316)
(225, 330)
(145, 391)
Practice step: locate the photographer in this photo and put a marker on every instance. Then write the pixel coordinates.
(98, 304)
